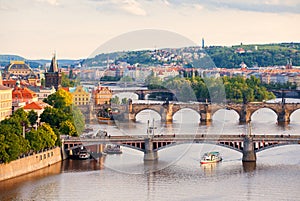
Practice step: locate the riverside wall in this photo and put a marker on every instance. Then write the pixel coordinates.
(30, 163)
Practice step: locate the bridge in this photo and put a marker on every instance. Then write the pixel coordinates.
(248, 145)
(207, 110)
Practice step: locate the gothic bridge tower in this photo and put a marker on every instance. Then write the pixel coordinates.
(53, 75)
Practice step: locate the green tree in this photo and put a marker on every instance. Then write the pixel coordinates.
(3, 149)
(126, 79)
(65, 80)
(60, 99)
(115, 100)
(32, 117)
(68, 128)
(124, 101)
(79, 120)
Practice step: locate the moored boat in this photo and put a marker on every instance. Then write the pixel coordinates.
(113, 149)
(211, 157)
(84, 155)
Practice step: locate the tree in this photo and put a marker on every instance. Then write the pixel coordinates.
(124, 101)
(68, 128)
(60, 99)
(126, 79)
(3, 149)
(54, 116)
(65, 80)
(78, 120)
(32, 117)
(115, 100)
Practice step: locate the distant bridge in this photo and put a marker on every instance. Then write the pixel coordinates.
(207, 110)
(246, 144)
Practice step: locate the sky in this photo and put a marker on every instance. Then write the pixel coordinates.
(74, 29)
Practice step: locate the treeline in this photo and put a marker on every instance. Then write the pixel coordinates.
(255, 55)
(223, 89)
(19, 135)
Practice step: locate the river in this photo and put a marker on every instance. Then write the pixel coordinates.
(177, 175)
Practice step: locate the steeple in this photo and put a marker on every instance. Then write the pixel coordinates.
(53, 67)
(53, 76)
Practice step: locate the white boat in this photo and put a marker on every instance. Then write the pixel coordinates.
(113, 149)
(211, 157)
(84, 155)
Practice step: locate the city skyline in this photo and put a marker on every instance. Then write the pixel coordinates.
(75, 29)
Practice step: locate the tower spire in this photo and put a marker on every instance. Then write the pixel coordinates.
(53, 66)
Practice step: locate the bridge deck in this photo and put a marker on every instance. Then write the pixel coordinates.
(185, 138)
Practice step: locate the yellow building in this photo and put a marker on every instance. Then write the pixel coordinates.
(102, 95)
(81, 96)
(5, 100)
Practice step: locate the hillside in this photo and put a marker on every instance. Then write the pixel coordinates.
(212, 56)
(226, 57)
(5, 60)
(255, 55)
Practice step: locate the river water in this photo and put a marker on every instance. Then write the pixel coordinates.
(177, 175)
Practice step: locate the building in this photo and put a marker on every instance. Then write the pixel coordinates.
(53, 75)
(19, 70)
(102, 95)
(81, 95)
(37, 106)
(5, 100)
(42, 92)
(22, 96)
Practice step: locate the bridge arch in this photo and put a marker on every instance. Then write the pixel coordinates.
(295, 115)
(121, 94)
(229, 113)
(152, 116)
(172, 144)
(261, 114)
(193, 114)
(272, 146)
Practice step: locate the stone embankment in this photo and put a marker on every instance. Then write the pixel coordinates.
(30, 163)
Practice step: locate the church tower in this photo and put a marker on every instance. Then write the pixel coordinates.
(53, 75)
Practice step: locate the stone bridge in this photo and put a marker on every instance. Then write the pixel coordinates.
(207, 110)
(248, 145)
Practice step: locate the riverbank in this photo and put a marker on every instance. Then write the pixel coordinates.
(30, 163)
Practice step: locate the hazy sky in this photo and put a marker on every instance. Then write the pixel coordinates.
(35, 29)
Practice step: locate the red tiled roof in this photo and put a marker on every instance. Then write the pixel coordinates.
(38, 105)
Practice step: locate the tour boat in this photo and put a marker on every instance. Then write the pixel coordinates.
(211, 157)
(84, 155)
(113, 149)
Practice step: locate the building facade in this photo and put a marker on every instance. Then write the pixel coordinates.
(102, 95)
(5, 100)
(81, 95)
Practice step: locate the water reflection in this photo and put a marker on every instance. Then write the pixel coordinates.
(17, 183)
(209, 169)
(249, 166)
(83, 165)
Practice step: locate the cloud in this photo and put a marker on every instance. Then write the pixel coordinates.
(268, 6)
(50, 2)
(132, 7)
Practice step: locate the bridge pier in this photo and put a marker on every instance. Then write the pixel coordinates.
(205, 114)
(167, 113)
(149, 154)
(245, 115)
(249, 154)
(283, 116)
